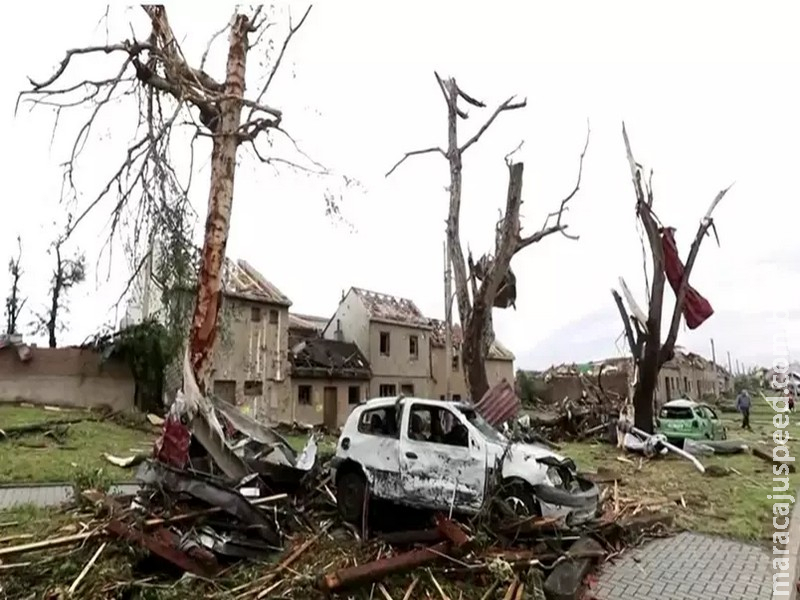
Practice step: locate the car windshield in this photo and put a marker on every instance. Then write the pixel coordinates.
(483, 426)
(677, 412)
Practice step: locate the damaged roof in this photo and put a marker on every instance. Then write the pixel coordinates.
(497, 351)
(319, 357)
(391, 309)
(241, 280)
(310, 322)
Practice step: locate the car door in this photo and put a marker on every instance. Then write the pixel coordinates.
(376, 447)
(714, 420)
(439, 469)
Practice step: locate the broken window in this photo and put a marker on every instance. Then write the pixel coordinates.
(387, 390)
(437, 426)
(304, 394)
(354, 394)
(255, 314)
(273, 316)
(455, 362)
(413, 347)
(385, 343)
(381, 421)
(407, 389)
(253, 388)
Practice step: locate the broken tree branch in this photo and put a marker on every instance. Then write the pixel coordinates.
(559, 227)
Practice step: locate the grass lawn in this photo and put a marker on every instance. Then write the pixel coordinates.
(734, 505)
(40, 458)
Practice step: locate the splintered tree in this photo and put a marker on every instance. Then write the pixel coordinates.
(15, 302)
(68, 272)
(488, 283)
(174, 94)
(643, 330)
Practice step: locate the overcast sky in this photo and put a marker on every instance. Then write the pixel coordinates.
(709, 93)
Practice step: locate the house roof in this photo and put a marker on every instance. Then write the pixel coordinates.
(318, 357)
(311, 322)
(241, 280)
(497, 351)
(391, 309)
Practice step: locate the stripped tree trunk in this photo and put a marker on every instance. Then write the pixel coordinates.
(220, 200)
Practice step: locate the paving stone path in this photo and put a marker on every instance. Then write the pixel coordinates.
(689, 566)
(47, 494)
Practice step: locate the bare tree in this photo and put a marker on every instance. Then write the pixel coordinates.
(173, 94)
(68, 272)
(15, 302)
(643, 331)
(479, 287)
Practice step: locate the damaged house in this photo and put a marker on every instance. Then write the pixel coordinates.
(329, 377)
(686, 374)
(251, 357)
(394, 336)
(499, 363)
(251, 370)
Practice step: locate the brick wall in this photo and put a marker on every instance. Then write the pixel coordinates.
(69, 377)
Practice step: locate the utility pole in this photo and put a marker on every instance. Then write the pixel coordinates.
(147, 274)
(448, 322)
(714, 363)
(730, 366)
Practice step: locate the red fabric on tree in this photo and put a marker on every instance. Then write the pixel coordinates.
(696, 309)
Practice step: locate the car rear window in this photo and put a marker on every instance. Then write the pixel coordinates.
(380, 421)
(677, 412)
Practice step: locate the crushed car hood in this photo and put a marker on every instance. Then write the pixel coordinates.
(519, 453)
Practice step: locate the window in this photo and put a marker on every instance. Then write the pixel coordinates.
(456, 397)
(385, 343)
(677, 412)
(441, 397)
(304, 394)
(273, 316)
(225, 389)
(437, 426)
(455, 362)
(253, 388)
(387, 390)
(381, 421)
(354, 394)
(413, 347)
(255, 314)
(685, 384)
(407, 389)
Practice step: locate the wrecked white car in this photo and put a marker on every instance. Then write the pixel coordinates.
(440, 455)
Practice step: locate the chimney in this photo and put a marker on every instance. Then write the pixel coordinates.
(338, 335)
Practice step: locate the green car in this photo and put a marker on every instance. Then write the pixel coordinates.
(686, 419)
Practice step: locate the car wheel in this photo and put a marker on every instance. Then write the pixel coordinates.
(351, 488)
(520, 499)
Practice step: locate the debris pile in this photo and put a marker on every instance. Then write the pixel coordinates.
(189, 534)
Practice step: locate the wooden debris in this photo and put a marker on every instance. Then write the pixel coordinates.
(85, 570)
(765, 456)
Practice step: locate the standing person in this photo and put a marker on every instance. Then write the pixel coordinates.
(743, 406)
